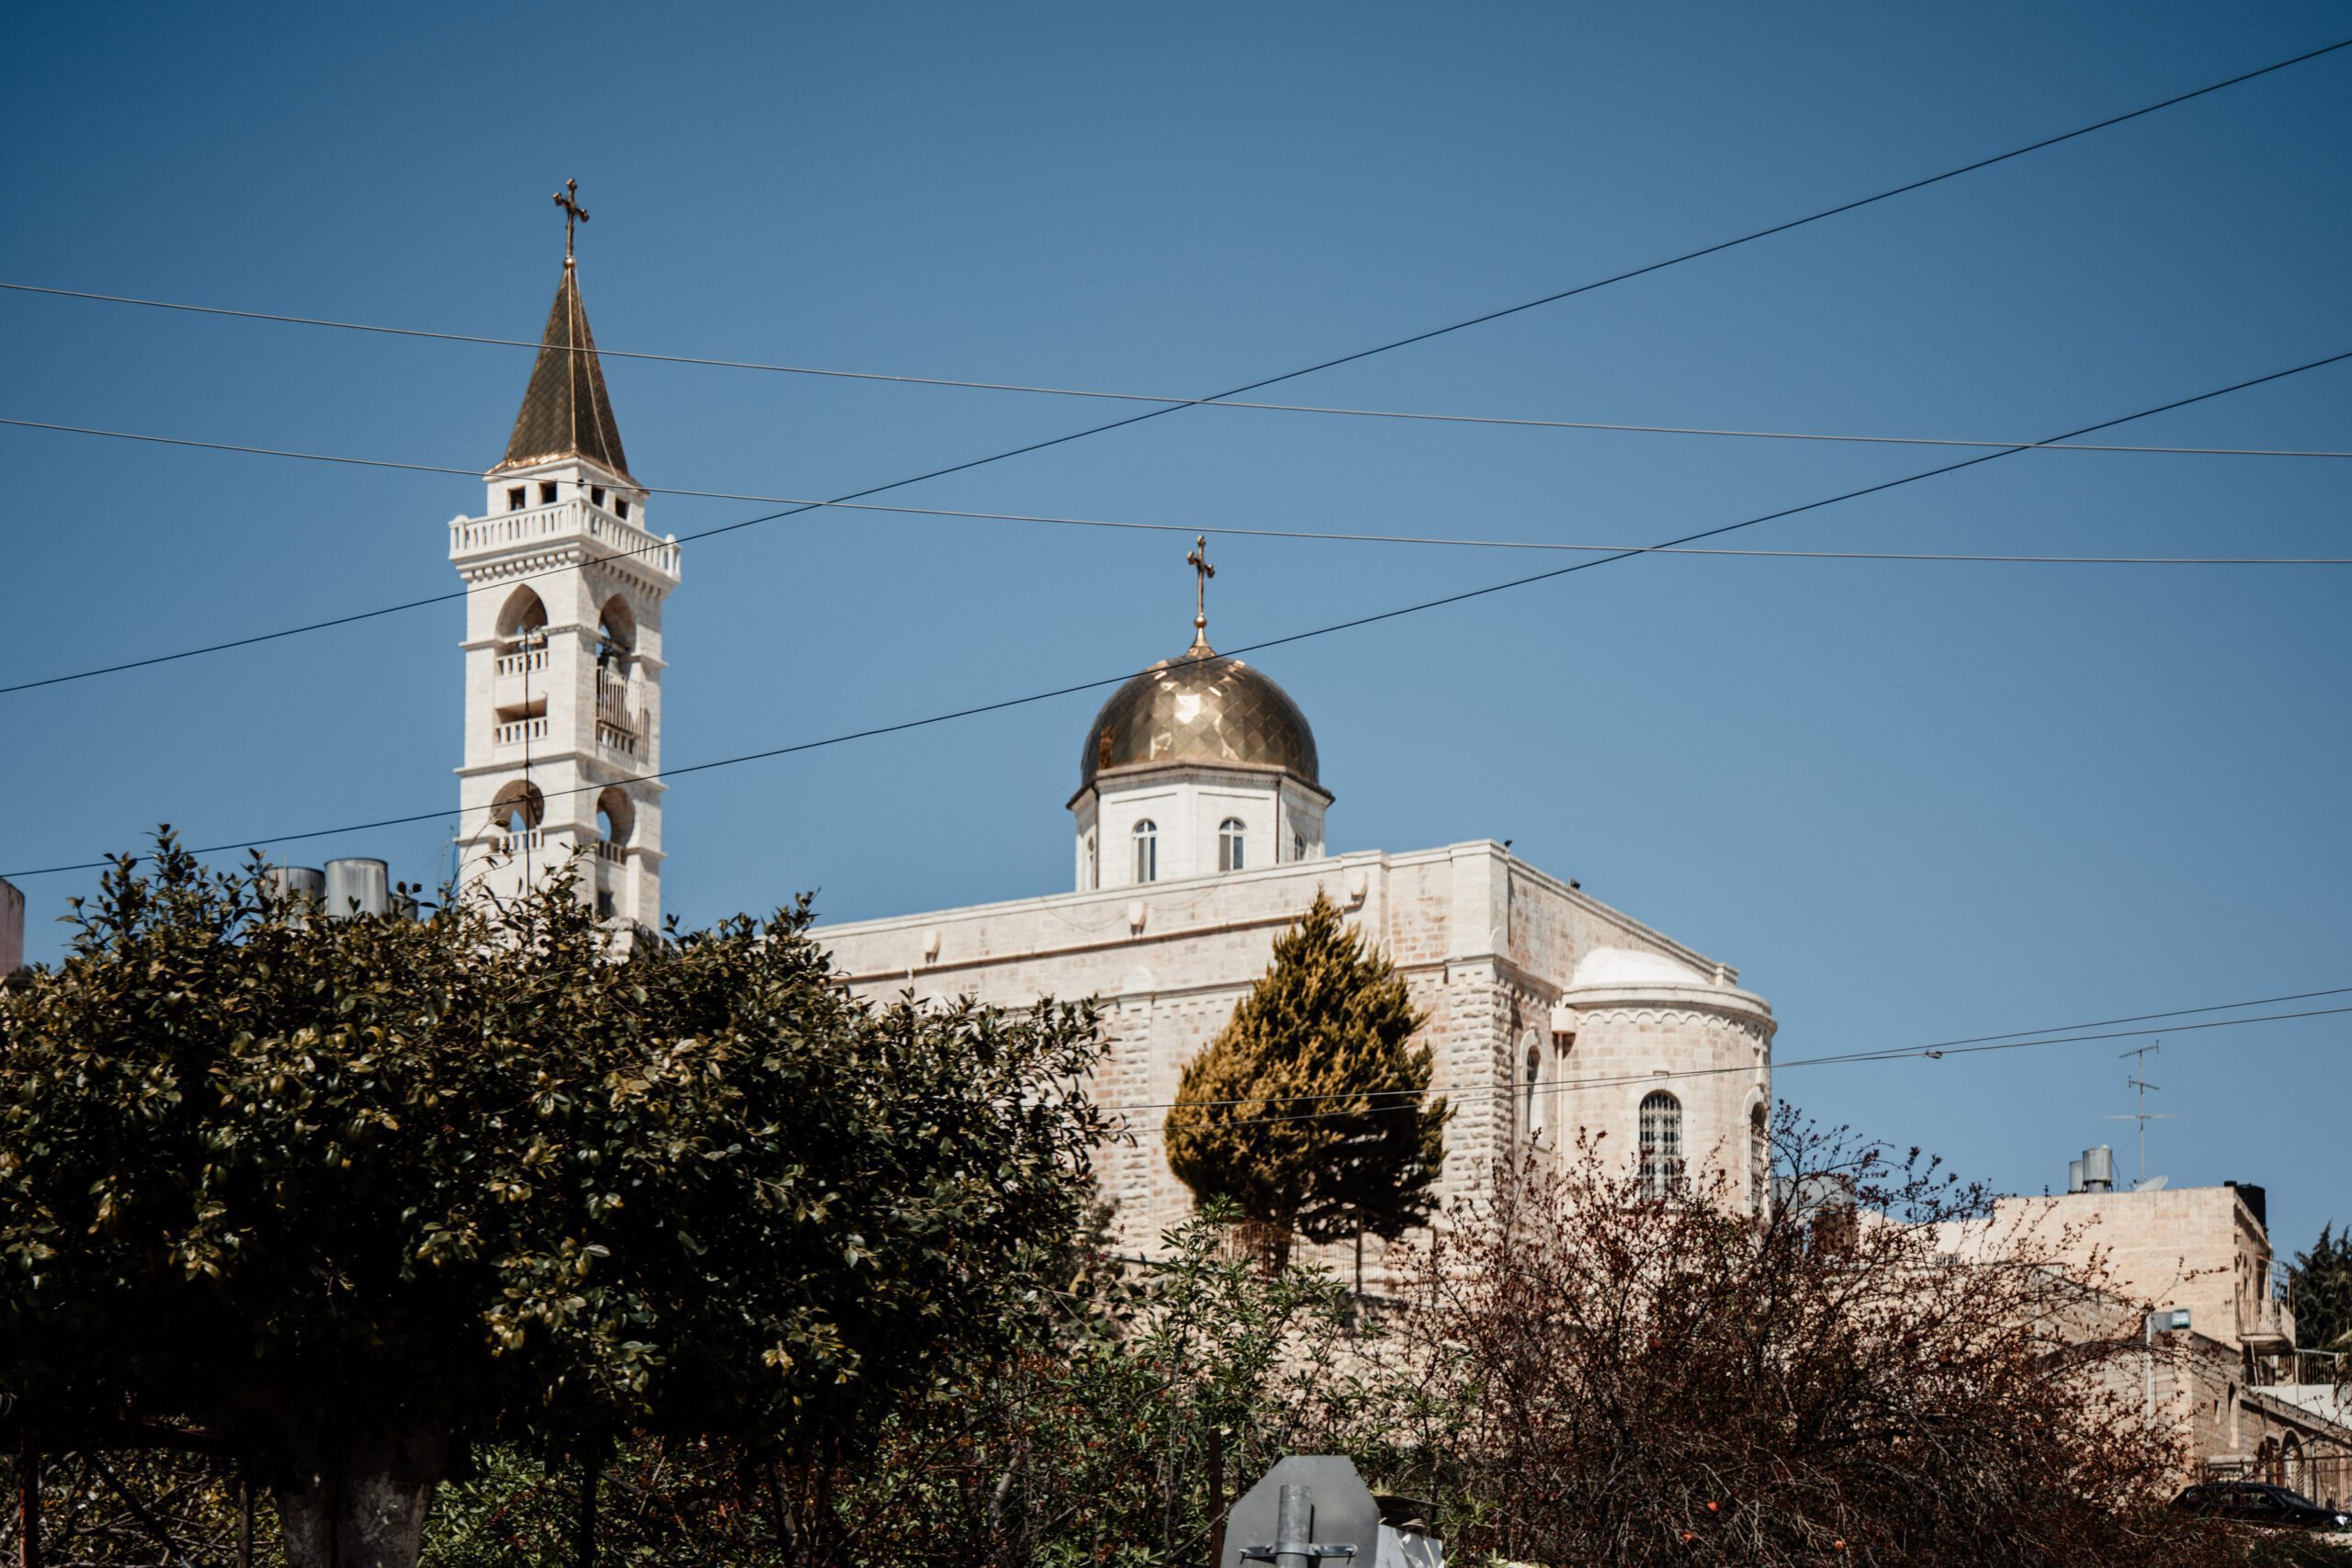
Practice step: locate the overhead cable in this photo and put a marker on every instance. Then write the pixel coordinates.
(1927, 1053)
(1607, 553)
(1937, 1047)
(1339, 411)
(1168, 405)
(1001, 705)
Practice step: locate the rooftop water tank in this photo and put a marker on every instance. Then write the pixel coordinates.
(304, 882)
(364, 883)
(2098, 1169)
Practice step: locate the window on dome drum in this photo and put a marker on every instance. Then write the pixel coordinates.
(595, 495)
(547, 492)
(1231, 837)
(1297, 846)
(1094, 870)
(620, 509)
(1661, 1132)
(1146, 851)
(514, 494)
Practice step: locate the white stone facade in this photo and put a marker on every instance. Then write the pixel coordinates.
(1168, 824)
(1511, 964)
(563, 686)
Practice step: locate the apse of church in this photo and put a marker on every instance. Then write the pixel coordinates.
(1199, 820)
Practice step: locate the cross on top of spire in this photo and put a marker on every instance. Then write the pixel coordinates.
(1199, 561)
(569, 200)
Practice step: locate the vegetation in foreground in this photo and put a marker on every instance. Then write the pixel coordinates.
(443, 1218)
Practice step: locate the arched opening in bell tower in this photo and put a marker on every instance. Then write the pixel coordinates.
(516, 812)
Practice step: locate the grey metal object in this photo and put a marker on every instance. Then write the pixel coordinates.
(368, 883)
(1294, 1545)
(303, 881)
(1307, 1502)
(2098, 1169)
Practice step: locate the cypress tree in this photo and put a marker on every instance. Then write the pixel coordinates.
(1310, 1110)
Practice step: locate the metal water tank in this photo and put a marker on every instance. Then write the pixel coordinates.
(366, 883)
(2098, 1169)
(306, 883)
(2074, 1175)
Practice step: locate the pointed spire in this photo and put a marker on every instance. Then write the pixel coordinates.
(565, 412)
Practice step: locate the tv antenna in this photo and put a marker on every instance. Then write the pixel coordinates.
(2142, 1115)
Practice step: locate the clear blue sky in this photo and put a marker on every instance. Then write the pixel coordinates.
(1909, 801)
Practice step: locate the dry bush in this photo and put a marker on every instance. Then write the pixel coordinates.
(1644, 1378)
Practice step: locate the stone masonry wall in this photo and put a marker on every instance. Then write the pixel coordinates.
(1486, 943)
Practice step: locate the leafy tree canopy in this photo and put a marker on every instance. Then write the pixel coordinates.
(2323, 1292)
(1310, 1110)
(354, 1193)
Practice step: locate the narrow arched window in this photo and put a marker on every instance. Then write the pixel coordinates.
(1661, 1131)
(1146, 851)
(1534, 1114)
(1229, 838)
(1298, 846)
(1759, 1160)
(1093, 871)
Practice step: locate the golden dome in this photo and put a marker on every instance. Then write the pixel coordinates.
(1200, 707)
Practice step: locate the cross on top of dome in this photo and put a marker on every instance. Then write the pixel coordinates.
(1199, 561)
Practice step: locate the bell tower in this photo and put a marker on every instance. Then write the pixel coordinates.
(565, 585)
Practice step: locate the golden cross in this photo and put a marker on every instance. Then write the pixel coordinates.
(567, 198)
(1199, 561)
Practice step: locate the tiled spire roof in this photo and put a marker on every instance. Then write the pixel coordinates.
(565, 412)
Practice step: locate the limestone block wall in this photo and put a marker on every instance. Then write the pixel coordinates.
(2198, 1247)
(1488, 944)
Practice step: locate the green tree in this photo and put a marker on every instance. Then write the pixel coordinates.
(2322, 1279)
(352, 1195)
(1310, 1111)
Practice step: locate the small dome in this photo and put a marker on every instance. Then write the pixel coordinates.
(1200, 707)
(1629, 967)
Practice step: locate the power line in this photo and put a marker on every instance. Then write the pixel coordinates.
(1170, 403)
(794, 507)
(1489, 1091)
(1231, 392)
(1938, 1047)
(876, 731)
(1060, 520)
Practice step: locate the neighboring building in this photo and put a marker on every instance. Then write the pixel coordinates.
(2203, 1248)
(2227, 1381)
(12, 928)
(1199, 838)
(563, 667)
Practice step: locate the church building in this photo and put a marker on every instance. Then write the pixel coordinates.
(1198, 834)
(1198, 837)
